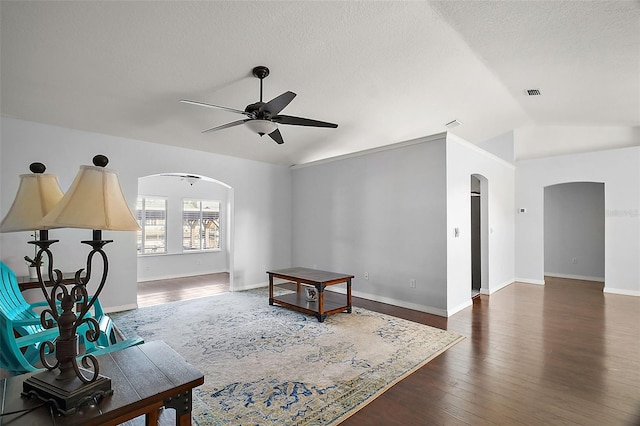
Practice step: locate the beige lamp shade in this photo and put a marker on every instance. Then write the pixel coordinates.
(37, 194)
(94, 201)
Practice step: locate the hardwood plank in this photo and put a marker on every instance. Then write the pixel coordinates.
(548, 354)
(562, 353)
(157, 292)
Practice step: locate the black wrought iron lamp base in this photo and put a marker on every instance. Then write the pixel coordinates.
(66, 396)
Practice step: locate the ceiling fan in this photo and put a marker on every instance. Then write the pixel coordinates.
(263, 118)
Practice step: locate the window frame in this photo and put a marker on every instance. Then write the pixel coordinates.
(200, 202)
(142, 233)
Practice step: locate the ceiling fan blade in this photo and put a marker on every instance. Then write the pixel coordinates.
(237, 111)
(225, 126)
(276, 136)
(277, 104)
(299, 121)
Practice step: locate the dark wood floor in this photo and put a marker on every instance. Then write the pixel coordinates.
(162, 291)
(559, 354)
(563, 353)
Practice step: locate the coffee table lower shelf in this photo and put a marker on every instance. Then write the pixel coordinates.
(333, 303)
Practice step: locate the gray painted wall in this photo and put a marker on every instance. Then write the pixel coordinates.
(391, 214)
(381, 214)
(574, 230)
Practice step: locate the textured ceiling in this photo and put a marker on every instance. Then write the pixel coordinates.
(386, 72)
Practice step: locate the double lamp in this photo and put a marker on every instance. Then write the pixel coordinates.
(94, 201)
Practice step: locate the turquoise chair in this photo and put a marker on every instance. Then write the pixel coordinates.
(22, 334)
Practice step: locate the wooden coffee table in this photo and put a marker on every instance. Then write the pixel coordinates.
(328, 303)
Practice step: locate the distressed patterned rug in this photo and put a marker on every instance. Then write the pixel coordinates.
(267, 365)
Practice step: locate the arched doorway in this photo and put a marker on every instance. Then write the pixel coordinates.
(479, 235)
(574, 231)
(212, 203)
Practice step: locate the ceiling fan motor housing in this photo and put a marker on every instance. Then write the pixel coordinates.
(256, 112)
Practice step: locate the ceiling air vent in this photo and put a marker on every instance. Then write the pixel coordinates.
(452, 124)
(534, 92)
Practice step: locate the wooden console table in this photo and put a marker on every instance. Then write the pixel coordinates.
(28, 283)
(144, 378)
(327, 304)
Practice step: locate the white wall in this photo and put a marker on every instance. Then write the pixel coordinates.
(619, 170)
(464, 160)
(501, 146)
(381, 212)
(546, 141)
(175, 262)
(574, 231)
(262, 213)
(391, 213)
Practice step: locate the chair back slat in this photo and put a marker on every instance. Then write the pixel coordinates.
(21, 333)
(12, 303)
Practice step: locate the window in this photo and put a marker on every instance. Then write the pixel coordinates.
(152, 216)
(200, 225)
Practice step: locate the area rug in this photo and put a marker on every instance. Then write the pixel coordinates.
(268, 365)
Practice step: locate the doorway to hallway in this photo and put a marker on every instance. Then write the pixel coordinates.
(479, 234)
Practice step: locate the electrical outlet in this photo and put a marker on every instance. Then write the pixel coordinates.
(366, 275)
(412, 283)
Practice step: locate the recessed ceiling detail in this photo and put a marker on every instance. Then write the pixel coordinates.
(534, 92)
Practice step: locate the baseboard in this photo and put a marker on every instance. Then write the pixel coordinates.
(493, 289)
(172, 276)
(529, 281)
(390, 301)
(459, 308)
(262, 284)
(621, 291)
(395, 302)
(574, 277)
(120, 308)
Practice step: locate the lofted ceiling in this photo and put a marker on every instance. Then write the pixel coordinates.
(386, 72)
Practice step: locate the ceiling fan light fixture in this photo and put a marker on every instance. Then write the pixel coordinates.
(263, 117)
(261, 127)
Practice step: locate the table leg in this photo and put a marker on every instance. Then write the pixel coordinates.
(182, 403)
(349, 295)
(271, 289)
(152, 418)
(184, 419)
(321, 315)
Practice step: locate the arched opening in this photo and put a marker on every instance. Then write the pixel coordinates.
(187, 234)
(479, 235)
(574, 231)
